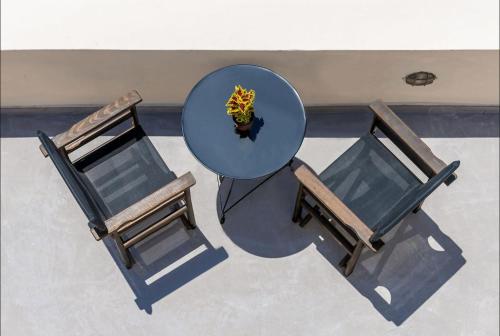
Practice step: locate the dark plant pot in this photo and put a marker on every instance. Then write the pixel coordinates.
(242, 128)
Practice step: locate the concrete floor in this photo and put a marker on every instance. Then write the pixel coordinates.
(259, 274)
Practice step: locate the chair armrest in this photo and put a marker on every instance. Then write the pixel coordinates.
(96, 123)
(162, 197)
(333, 204)
(408, 141)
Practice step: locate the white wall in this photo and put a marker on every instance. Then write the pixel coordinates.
(58, 52)
(250, 24)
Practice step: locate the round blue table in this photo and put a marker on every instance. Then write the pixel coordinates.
(277, 131)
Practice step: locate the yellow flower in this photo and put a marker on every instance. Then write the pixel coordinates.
(240, 104)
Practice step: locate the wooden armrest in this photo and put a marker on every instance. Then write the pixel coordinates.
(408, 141)
(333, 204)
(96, 123)
(150, 204)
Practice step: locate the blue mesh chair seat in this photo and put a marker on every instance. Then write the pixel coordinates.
(369, 179)
(373, 183)
(123, 172)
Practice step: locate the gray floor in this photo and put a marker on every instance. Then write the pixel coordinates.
(259, 274)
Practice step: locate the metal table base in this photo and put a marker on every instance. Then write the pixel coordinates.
(224, 208)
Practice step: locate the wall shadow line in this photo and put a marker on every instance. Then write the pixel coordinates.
(428, 121)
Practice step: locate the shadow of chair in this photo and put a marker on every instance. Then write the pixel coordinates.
(166, 261)
(416, 260)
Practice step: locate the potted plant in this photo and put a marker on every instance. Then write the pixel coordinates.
(240, 107)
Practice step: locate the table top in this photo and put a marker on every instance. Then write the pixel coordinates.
(277, 131)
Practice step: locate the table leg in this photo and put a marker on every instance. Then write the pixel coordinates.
(223, 207)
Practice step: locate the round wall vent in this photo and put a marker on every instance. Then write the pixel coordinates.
(420, 78)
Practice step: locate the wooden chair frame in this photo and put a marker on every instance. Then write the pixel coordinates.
(178, 190)
(355, 235)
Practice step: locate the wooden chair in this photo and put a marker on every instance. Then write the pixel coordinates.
(123, 186)
(368, 190)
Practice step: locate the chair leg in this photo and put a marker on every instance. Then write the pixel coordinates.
(190, 213)
(351, 262)
(373, 125)
(417, 209)
(378, 244)
(297, 211)
(124, 253)
(135, 120)
(187, 224)
(305, 220)
(344, 260)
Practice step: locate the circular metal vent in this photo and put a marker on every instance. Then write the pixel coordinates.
(420, 78)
